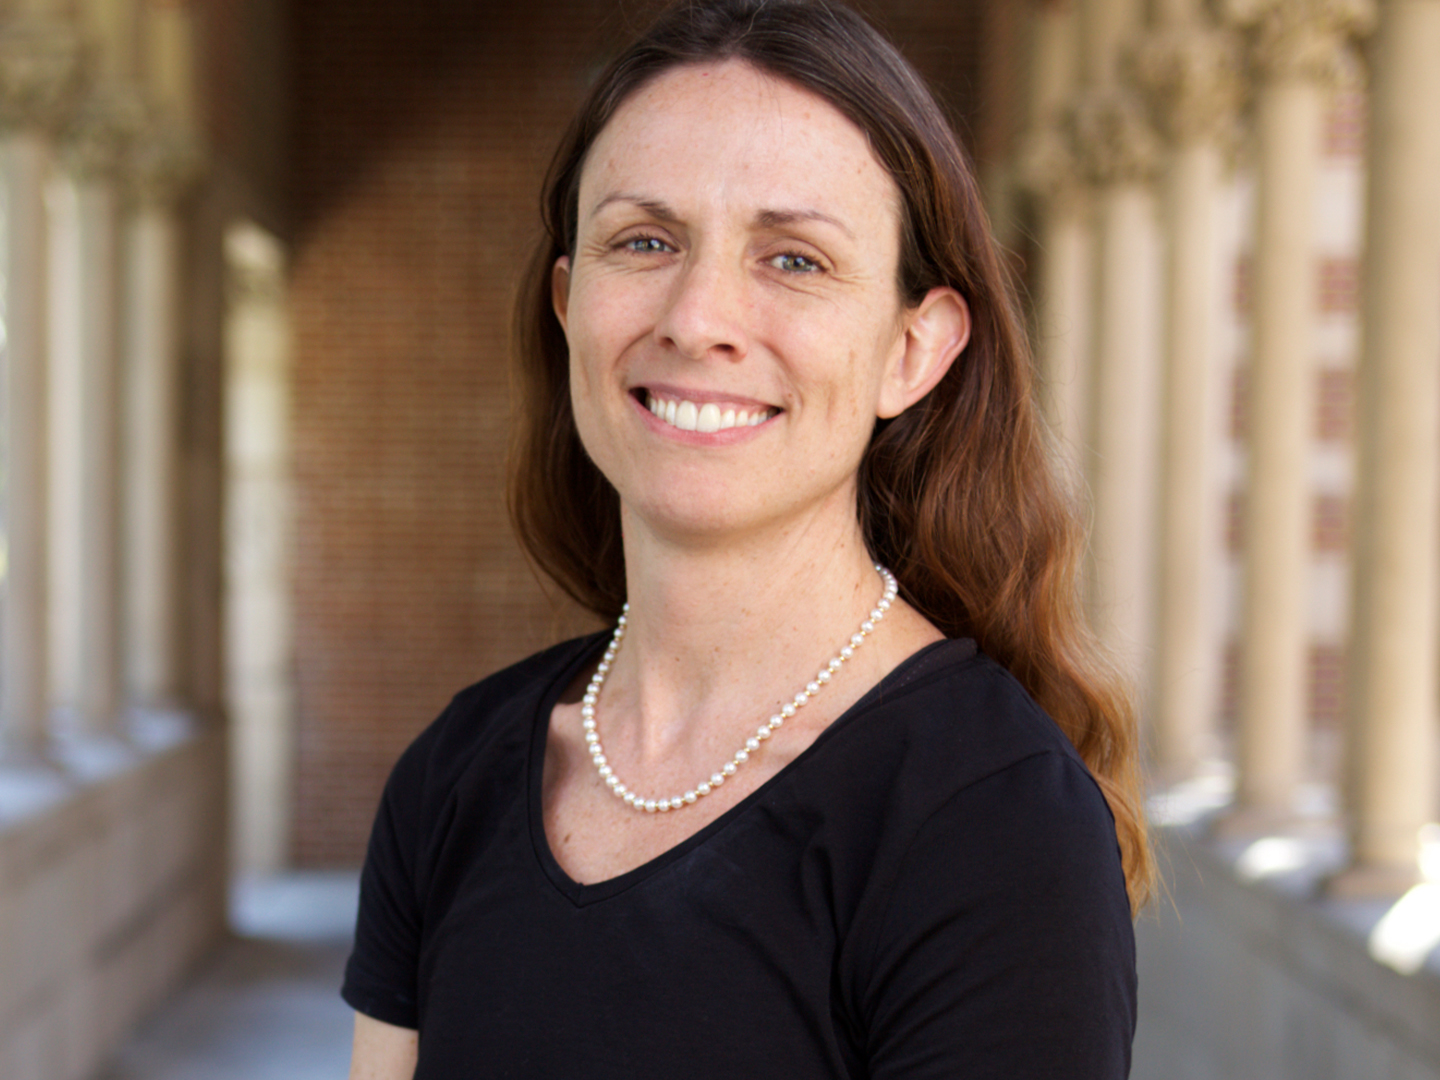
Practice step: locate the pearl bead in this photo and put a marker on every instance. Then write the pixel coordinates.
(591, 699)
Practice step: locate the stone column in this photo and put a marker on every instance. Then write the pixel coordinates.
(1120, 153)
(259, 632)
(87, 481)
(1295, 49)
(166, 161)
(1191, 70)
(38, 68)
(1391, 725)
(1050, 173)
(163, 171)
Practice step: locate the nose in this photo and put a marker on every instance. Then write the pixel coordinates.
(704, 314)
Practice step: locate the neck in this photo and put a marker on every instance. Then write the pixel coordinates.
(720, 629)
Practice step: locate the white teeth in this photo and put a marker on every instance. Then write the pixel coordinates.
(706, 418)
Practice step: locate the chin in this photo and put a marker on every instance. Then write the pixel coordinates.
(690, 519)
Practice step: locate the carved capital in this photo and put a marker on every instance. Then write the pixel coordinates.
(1305, 39)
(1046, 166)
(166, 161)
(98, 139)
(1192, 78)
(41, 72)
(1113, 138)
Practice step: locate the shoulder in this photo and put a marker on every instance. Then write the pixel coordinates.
(995, 905)
(978, 804)
(948, 722)
(493, 714)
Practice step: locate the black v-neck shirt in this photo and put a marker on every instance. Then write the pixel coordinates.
(932, 889)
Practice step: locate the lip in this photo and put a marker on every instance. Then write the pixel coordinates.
(724, 437)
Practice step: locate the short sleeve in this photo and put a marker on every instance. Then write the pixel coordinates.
(1007, 948)
(381, 975)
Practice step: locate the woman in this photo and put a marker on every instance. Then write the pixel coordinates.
(794, 816)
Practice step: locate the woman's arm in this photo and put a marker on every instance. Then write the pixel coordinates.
(383, 1051)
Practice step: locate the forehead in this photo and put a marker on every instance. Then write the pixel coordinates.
(729, 133)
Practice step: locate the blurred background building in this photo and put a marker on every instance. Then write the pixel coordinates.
(256, 265)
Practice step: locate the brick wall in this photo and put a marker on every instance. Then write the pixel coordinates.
(420, 134)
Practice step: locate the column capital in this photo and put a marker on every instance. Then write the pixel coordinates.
(1046, 165)
(102, 131)
(1113, 139)
(1192, 78)
(1300, 39)
(166, 160)
(41, 72)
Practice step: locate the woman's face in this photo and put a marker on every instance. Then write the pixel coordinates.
(732, 307)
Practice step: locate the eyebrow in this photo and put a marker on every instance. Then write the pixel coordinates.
(654, 207)
(771, 219)
(767, 219)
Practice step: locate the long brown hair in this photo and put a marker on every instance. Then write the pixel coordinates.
(957, 494)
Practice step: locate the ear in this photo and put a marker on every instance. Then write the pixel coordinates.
(560, 290)
(936, 331)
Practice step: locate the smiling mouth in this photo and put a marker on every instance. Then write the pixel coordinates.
(690, 416)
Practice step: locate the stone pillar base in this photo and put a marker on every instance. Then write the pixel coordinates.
(1253, 822)
(1372, 882)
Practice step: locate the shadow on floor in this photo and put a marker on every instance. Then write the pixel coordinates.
(267, 1006)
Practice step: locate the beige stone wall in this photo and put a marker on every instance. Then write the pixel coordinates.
(111, 890)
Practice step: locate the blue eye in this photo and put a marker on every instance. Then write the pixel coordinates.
(795, 263)
(647, 245)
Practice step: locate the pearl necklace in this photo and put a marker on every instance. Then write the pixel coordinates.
(752, 744)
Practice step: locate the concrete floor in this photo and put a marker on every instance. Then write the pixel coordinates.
(267, 1007)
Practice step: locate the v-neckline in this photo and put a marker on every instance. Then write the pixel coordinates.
(581, 894)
